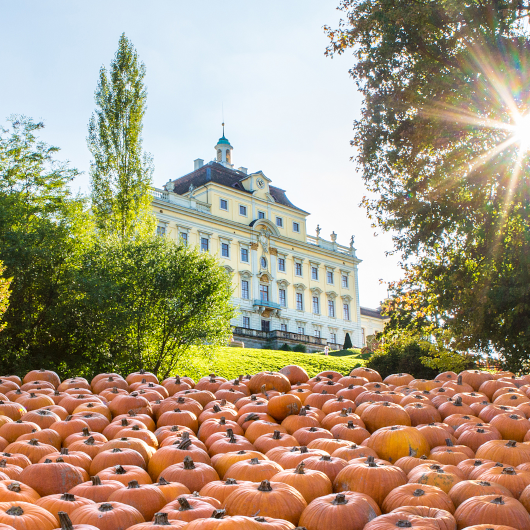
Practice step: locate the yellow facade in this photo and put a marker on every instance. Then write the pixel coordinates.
(288, 286)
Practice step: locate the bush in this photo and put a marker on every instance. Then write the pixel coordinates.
(300, 348)
(347, 342)
(285, 347)
(415, 356)
(403, 355)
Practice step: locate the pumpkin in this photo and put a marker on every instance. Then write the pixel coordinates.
(307, 434)
(408, 463)
(12, 490)
(436, 477)
(516, 480)
(62, 502)
(367, 373)
(96, 489)
(511, 453)
(24, 515)
(107, 516)
(129, 443)
(220, 489)
(384, 414)
(292, 423)
(436, 433)
(279, 407)
(33, 449)
(193, 475)
(370, 478)
(218, 521)
(443, 519)
(473, 488)
(222, 462)
(492, 509)
(188, 509)
(416, 495)
(349, 431)
(146, 498)
(174, 454)
(329, 465)
(468, 467)
(336, 405)
(392, 443)
(391, 521)
(116, 456)
(295, 374)
(229, 442)
(49, 478)
(270, 499)
(10, 470)
(76, 458)
(16, 459)
(42, 417)
(123, 403)
(352, 451)
(511, 426)
(253, 470)
(160, 520)
(343, 511)
(269, 380)
(125, 474)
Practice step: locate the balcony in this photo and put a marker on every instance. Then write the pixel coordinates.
(280, 335)
(266, 303)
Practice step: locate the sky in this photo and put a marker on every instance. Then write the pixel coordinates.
(288, 109)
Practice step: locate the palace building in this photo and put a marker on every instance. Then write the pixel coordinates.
(289, 286)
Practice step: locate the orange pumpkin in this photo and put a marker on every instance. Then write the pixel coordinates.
(349, 510)
(24, 515)
(107, 516)
(392, 443)
(146, 498)
(270, 499)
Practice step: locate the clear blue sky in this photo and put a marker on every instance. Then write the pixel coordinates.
(288, 109)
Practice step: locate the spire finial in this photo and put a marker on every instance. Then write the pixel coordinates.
(223, 124)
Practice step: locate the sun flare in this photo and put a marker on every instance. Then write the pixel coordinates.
(522, 132)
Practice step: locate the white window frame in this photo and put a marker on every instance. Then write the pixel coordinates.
(246, 320)
(223, 244)
(296, 227)
(299, 298)
(221, 204)
(345, 281)
(245, 291)
(280, 261)
(280, 224)
(262, 214)
(246, 210)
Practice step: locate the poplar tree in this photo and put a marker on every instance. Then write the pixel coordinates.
(120, 172)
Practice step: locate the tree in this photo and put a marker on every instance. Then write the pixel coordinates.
(443, 143)
(43, 231)
(347, 342)
(4, 293)
(150, 303)
(120, 173)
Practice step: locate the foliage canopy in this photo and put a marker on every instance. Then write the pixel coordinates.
(445, 86)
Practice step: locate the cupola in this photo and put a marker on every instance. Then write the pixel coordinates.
(223, 151)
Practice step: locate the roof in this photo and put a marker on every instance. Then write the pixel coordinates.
(223, 140)
(215, 172)
(373, 313)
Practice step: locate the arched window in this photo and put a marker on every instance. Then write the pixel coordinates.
(228, 155)
(263, 263)
(219, 155)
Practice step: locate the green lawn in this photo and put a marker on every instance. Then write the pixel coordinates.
(231, 362)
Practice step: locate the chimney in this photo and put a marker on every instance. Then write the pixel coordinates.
(243, 170)
(197, 164)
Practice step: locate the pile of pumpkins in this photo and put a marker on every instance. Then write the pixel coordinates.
(269, 451)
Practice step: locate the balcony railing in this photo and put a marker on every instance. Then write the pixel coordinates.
(266, 303)
(278, 334)
(173, 198)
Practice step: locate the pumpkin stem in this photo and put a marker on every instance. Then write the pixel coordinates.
(302, 412)
(265, 486)
(340, 499)
(15, 510)
(326, 458)
(161, 519)
(459, 380)
(184, 444)
(96, 481)
(304, 449)
(33, 441)
(418, 493)
(163, 482)
(124, 422)
(218, 514)
(511, 443)
(484, 483)
(449, 443)
(509, 471)
(254, 461)
(133, 484)
(68, 497)
(230, 481)
(64, 450)
(300, 468)
(188, 463)
(184, 504)
(14, 486)
(222, 421)
(403, 524)
(277, 435)
(458, 402)
(89, 441)
(251, 417)
(497, 500)
(120, 470)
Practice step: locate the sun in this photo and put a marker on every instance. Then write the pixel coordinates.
(522, 132)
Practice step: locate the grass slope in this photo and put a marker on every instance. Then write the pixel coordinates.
(231, 362)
